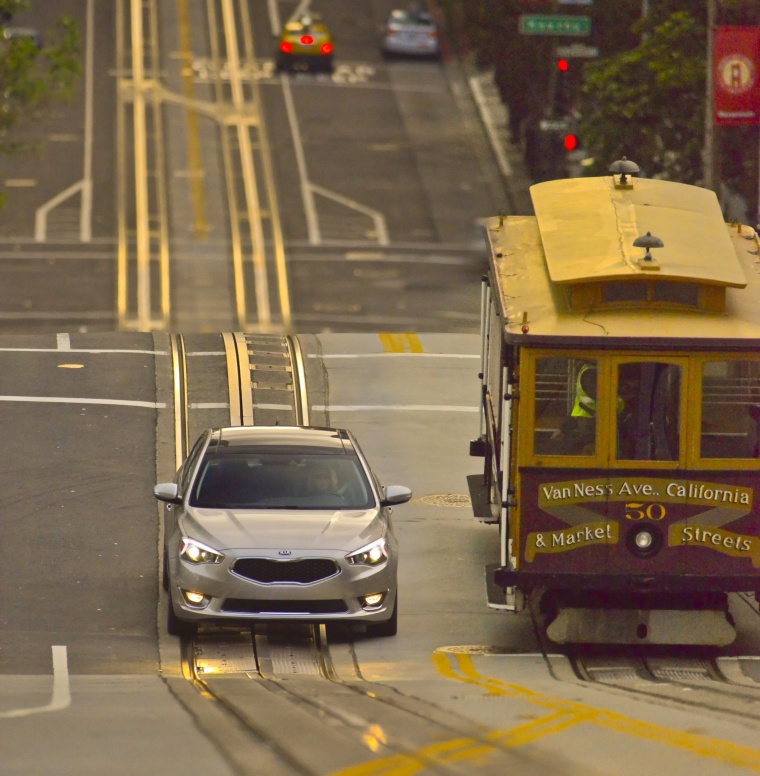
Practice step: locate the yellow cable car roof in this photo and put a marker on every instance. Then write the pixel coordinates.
(588, 226)
(534, 307)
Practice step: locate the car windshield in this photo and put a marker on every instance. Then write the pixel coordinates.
(412, 18)
(276, 481)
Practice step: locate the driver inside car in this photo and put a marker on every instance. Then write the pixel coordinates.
(323, 479)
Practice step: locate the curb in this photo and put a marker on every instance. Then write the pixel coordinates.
(494, 116)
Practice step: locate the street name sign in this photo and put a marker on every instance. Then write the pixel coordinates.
(555, 25)
(577, 50)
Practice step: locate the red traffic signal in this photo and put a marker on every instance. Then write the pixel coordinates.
(563, 65)
(571, 142)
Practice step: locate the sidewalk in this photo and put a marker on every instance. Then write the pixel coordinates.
(495, 118)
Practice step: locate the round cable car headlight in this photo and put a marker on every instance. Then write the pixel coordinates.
(644, 540)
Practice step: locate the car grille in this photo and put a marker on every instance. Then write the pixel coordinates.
(254, 606)
(299, 571)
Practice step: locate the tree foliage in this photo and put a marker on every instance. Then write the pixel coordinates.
(643, 97)
(648, 103)
(33, 73)
(524, 64)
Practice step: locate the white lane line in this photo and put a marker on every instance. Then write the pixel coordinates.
(386, 355)
(210, 405)
(390, 258)
(393, 407)
(87, 350)
(85, 215)
(61, 696)
(64, 343)
(381, 229)
(83, 186)
(74, 400)
(275, 25)
(307, 193)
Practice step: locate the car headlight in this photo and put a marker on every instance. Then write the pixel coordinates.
(195, 552)
(371, 555)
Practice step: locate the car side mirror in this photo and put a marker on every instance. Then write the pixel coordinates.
(396, 494)
(167, 491)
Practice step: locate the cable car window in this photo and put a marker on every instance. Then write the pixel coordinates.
(565, 406)
(730, 409)
(678, 293)
(624, 292)
(648, 418)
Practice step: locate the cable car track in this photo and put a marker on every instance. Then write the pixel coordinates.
(149, 297)
(696, 677)
(362, 721)
(266, 376)
(268, 680)
(266, 385)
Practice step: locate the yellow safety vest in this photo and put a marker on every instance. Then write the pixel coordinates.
(585, 405)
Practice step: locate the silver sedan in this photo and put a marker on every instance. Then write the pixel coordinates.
(412, 33)
(279, 523)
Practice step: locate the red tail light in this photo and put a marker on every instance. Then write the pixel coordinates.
(307, 40)
(286, 47)
(327, 48)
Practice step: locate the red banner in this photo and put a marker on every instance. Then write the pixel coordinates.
(736, 75)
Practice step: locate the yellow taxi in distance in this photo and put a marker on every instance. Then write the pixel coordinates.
(305, 44)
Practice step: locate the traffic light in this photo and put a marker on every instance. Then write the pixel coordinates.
(566, 74)
(571, 142)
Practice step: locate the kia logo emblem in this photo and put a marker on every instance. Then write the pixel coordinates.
(285, 552)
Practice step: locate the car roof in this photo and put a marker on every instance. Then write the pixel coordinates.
(311, 23)
(306, 438)
(411, 16)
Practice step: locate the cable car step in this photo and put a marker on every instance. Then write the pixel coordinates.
(482, 510)
(510, 599)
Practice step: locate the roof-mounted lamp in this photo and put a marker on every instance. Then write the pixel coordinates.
(648, 241)
(624, 167)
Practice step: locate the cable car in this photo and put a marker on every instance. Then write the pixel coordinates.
(620, 424)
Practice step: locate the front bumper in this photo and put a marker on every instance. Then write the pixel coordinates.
(304, 61)
(627, 583)
(232, 597)
(411, 48)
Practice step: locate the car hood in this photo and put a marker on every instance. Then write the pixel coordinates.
(236, 529)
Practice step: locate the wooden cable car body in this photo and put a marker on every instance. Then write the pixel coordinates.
(621, 411)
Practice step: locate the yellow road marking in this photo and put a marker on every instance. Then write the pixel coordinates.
(195, 161)
(563, 714)
(401, 343)
(577, 713)
(414, 762)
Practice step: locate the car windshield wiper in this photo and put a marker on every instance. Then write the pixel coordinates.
(259, 505)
